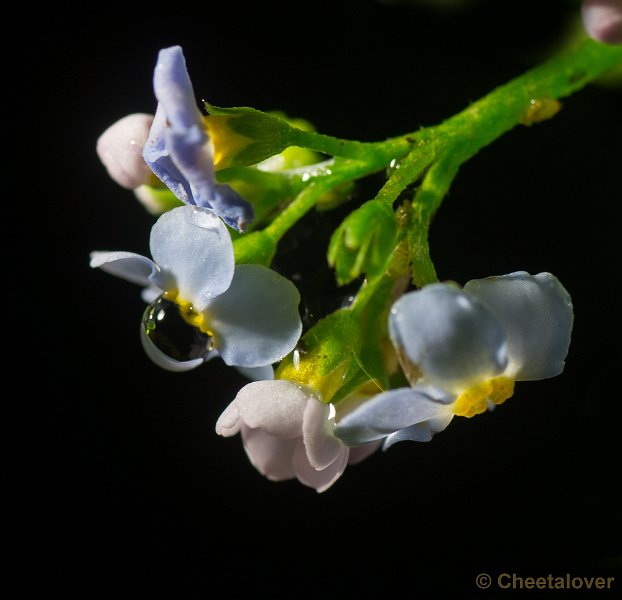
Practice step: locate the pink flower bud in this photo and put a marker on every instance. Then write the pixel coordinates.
(120, 148)
(602, 20)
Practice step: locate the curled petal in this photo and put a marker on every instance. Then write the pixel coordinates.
(603, 20)
(162, 360)
(195, 247)
(421, 432)
(178, 149)
(536, 314)
(229, 422)
(269, 454)
(256, 321)
(360, 453)
(276, 406)
(321, 445)
(120, 148)
(386, 413)
(451, 339)
(126, 265)
(321, 479)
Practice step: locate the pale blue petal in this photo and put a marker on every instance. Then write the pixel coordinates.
(265, 373)
(162, 360)
(536, 314)
(387, 413)
(194, 247)
(421, 432)
(452, 339)
(178, 149)
(256, 321)
(126, 265)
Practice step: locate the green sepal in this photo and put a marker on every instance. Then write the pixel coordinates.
(254, 248)
(363, 242)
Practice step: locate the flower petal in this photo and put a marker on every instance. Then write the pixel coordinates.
(321, 445)
(276, 406)
(603, 20)
(421, 432)
(386, 413)
(265, 373)
(126, 265)
(322, 479)
(536, 314)
(360, 453)
(120, 148)
(229, 422)
(195, 247)
(256, 321)
(451, 339)
(178, 149)
(162, 360)
(269, 454)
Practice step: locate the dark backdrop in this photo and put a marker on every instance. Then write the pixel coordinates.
(137, 494)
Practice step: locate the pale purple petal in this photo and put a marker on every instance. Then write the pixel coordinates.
(321, 445)
(256, 321)
(120, 148)
(322, 479)
(360, 453)
(269, 454)
(421, 432)
(535, 311)
(276, 406)
(602, 20)
(126, 265)
(386, 413)
(195, 247)
(451, 338)
(229, 422)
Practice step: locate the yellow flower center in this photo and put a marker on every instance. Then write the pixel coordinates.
(474, 400)
(227, 143)
(189, 314)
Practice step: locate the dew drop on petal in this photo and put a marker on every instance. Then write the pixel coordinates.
(171, 333)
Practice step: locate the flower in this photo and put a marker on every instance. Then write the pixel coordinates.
(602, 20)
(462, 351)
(201, 302)
(179, 150)
(287, 432)
(120, 148)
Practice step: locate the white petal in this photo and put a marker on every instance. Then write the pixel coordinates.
(126, 265)
(322, 479)
(256, 321)
(603, 20)
(386, 413)
(194, 246)
(257, 373)
(151, 293)
(229, 422)
(421, 432)
(451, 339)
(360, 453)
(269, 454)
(162, 360)
(536, 315)
(321, 445)
(276, 406)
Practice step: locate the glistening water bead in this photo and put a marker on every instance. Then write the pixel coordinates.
(172, 334)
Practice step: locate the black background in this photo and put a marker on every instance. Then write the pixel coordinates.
(133, 490)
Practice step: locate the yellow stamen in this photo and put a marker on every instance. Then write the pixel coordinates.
(189, 314)
(473, 401)
(227, 143)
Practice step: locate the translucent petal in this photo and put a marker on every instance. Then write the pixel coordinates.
(360, 453)
(421, 432)
(256, 321)
(321, 445)
(451, 339)
(162, 360)
(269, 454)
(126, 265)
(536, 314)
(386, 413)
(265, 373)
(276, 406)
(195, 247)
(322, 479)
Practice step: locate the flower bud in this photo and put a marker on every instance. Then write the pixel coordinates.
(602, 20)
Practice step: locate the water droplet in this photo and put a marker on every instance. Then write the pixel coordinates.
(172, 334)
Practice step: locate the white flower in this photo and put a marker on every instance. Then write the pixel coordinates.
(602, 20)
(462, 351)
(287, 432)
(201, 301)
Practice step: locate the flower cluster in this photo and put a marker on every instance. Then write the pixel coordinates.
(437, 352)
